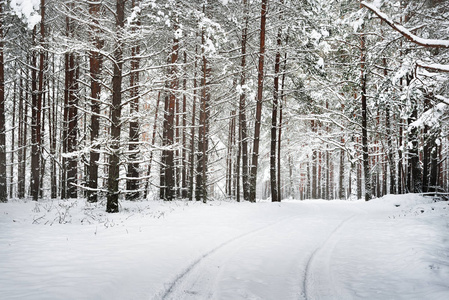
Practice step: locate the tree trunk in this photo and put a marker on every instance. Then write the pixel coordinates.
(260, 80)
(280, 124)
(274, 124)
(153, 139)
(184, 193)
(243, 131)
(95, 62)
(22, 154)
(52, 118)
(72, 134)
(365, 154)
(169, 163)
(3, 187)
(36, 102)
(114, 159)
(341, 191)
(192, 132)
(132, 176)
(203, 134)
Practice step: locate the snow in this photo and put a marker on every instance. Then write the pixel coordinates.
(404, 31)
(440, 67)
(27, 9)
(396, 247)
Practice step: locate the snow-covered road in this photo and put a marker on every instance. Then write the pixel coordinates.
(278, 261)
(391, 248)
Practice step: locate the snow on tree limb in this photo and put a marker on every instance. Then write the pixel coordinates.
(435, 67)
(405, 32)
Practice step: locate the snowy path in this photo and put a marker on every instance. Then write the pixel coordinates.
(279, 261)
(391, 248)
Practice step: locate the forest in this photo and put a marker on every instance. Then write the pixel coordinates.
(110, 100)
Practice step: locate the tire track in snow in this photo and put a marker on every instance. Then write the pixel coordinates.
(329, 243)
(184, 274)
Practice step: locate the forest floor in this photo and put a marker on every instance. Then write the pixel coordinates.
(396, 247)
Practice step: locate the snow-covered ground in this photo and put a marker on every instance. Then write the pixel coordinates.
(396, 247)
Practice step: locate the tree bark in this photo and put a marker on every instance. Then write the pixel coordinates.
(132, 176)
(192, 131)
(96, 63)
(203, 133)
(260, 80)
(169, 176)
(3, 187)
(114, 156)
(365, 154)
(243, 131)
(37, 93)
(274, 124)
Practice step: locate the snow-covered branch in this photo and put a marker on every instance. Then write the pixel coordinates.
(404, 31)
(435, 67)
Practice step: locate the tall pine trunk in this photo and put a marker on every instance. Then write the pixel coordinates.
(3, 187)
(95, 63)
(116, 110)
(132, 181)
(274, 123)
(365, 154)
(243, 134)
(260, 80)
(203, 133)
(168, 185)
(37, 77)
(153, 139)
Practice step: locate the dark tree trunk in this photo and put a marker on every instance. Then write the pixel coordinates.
(37, 93)
(230, 155)
(114, 156)
(390, 153)
(280, 124)
(164, 153)
(52, 117)
(169, 123)
(13, 136)
(203, 134)
(72, 134)
(192, 132)
(3, 187)
(260, 80)
(65, 127)
(365, 154)
(95, 62)
(341, 191)
(132, 176)
(414, 182)
(184, 193)
(243, 134)
(22, 153)
(274, 123)
(153, 139)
